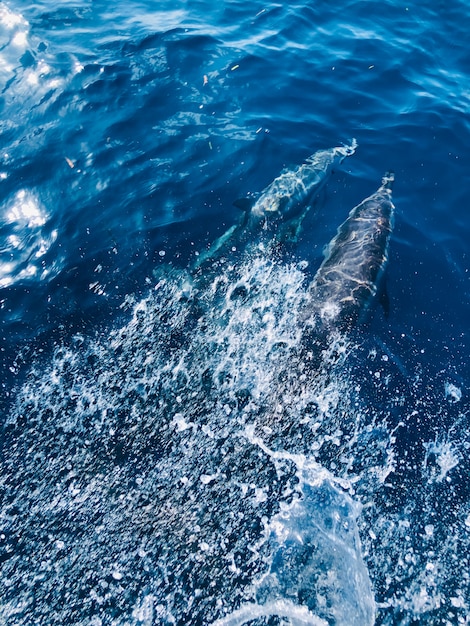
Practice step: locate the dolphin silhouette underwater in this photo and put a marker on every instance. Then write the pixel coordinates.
(282, 205)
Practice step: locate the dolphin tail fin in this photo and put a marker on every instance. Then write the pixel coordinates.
(387, 181)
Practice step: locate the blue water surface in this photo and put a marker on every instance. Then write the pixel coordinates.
(168, 455)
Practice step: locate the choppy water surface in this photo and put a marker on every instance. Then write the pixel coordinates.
(175, 448)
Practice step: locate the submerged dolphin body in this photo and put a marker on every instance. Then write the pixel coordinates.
(348, 279)
(283, 204)
(290, 191)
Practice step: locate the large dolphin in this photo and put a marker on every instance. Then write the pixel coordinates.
(283, 204)
(349, 277)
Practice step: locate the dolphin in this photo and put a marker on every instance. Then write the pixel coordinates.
(286, 199)
(293, 188)
(348, 279)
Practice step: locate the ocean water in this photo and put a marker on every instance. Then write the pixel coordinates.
(173, 450)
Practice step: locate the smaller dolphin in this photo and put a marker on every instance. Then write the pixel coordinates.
(348, 279)
(287, 199)
(293, 188)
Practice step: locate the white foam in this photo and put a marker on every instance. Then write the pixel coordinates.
(297, 615)
(247, 457)
(452, 392)
(447, 457)
(323, 517)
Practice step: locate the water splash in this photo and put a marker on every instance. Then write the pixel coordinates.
(201, 464)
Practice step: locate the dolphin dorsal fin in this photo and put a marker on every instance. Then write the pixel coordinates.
(384, 299)
(245, 204)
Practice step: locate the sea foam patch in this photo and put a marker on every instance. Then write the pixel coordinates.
(239, 472)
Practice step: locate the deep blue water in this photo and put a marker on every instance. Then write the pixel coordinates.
(174, 460)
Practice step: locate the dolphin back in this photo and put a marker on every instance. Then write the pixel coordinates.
(298, 186)
(277, 212)
(348, 279)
